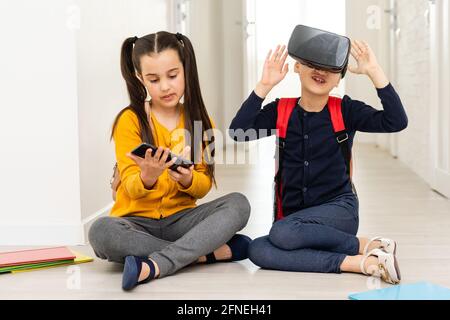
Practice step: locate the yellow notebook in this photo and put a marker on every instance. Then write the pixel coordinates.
(79, 258)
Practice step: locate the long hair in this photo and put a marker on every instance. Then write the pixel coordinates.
(132, 50)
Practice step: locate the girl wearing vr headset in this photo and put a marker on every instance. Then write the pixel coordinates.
(155, 227)
(316, 231)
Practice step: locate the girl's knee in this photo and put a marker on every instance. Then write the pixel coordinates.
(101, 235)
(241, 207)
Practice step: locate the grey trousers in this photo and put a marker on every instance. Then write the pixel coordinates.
(173, 242)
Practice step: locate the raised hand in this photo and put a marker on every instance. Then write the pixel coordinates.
(365, 58)
(367, 64)
(274, 70)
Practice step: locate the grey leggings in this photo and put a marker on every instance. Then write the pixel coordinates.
(173, 242)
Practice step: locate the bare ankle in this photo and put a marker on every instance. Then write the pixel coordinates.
(223, 253)
(363, 243)
(156, 268)
(371, 264)
(375, 245)
(351, 264)
(145, 270)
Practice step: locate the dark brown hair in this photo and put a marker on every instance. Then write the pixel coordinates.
(132, 50)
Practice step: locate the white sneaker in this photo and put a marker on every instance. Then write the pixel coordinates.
(387, 245)
(387, 267)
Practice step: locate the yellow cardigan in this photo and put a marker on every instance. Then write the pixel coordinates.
(167, 196)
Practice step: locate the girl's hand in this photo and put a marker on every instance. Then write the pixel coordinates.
(367, 64)
(275, 70)
(183, 175)
(365, 58)
(152, 166)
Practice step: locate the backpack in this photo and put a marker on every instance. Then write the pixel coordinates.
(115, 178)
(284, 108)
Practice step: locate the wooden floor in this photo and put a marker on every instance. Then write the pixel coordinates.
(394, 202)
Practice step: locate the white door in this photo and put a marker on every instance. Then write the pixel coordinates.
(440, 95)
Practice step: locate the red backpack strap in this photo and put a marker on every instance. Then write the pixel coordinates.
(284, 111)
(335, 109)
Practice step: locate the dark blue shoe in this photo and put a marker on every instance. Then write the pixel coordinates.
(132, 270)
(239, 249)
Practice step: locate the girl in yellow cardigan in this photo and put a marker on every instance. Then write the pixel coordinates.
(155, 227)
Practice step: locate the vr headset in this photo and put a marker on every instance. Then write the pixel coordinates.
(320, 49)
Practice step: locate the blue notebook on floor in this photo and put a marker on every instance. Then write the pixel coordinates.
(414, 291)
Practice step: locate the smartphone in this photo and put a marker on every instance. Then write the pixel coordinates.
(142, 149)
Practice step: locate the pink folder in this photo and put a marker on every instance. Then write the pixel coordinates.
(15, 258)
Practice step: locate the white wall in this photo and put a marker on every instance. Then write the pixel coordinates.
(413, 72)
(61, 89)
(204, 31)
(366, 20)
(439, 106)
(40, 187)
(104, 25)
(410, 73)
(233, 59)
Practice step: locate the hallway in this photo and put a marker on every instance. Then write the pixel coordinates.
(56, 185)
(394, 202)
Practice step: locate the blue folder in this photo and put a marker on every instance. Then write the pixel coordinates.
(414, 291)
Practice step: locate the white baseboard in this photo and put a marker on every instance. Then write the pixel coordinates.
(87, 222)
(40, 234)
(97, 214)
(442, 182)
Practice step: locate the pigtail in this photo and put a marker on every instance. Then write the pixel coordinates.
(193, 101)
(136, 90)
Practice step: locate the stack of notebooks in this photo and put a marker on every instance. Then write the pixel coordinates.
(28, 260)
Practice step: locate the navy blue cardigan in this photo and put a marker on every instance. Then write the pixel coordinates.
(314, 169)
